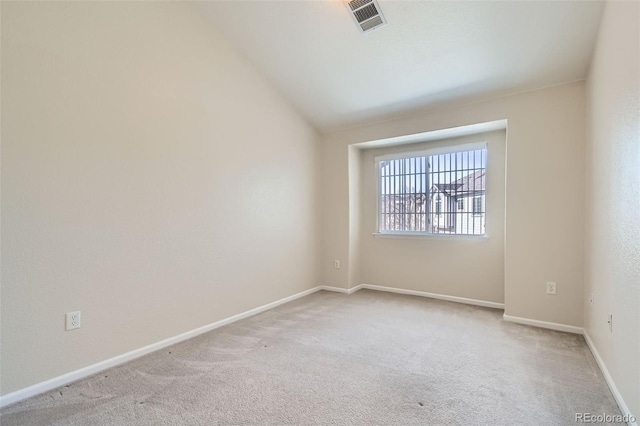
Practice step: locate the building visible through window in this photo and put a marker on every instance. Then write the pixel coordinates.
(426, 193)
(477, 205)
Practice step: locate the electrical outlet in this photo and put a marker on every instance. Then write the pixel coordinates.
(72, 320)
(551, 288)
(336, 264)
(610, 321)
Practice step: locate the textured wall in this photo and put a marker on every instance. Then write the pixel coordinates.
(544, 197)
(612, 266)
(150, 178)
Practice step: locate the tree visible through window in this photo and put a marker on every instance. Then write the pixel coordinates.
(427, 193)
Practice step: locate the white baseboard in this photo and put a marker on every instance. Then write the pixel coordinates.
(340, 289)
(579, 330)
(56, 382)
(457, 299)
(81, 373)
(544, 324)
(607, 377)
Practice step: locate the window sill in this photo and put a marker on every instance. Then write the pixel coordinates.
(425, 236)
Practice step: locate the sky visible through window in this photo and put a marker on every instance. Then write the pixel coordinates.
(438, 193)
(409, 175)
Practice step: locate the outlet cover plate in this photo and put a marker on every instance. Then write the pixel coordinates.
(551, 288)
(72, 320)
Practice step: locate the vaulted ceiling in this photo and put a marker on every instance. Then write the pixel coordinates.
(431, 52)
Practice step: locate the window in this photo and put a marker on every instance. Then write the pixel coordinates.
(477, 205)
(426, 192)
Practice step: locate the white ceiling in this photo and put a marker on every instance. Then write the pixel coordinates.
(431, 52)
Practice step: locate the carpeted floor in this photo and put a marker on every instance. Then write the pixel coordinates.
(360, 359)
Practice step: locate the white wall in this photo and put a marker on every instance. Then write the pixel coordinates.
(471, 267)
(545, 170)
(150, 178)
(355, 216)
(612, 261)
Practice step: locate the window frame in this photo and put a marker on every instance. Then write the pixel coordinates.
(400, 155)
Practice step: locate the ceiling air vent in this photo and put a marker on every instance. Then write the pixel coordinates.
(366, 14)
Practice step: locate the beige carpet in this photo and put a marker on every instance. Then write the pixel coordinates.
(367, 358)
